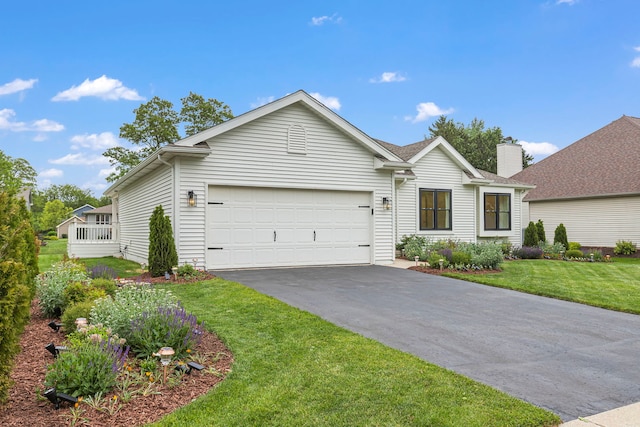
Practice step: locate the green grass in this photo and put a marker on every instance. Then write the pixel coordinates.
(615, 285)
(53, 252)
(294, 369)
(122, 267)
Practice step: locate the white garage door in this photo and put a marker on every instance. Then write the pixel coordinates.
(270, 227)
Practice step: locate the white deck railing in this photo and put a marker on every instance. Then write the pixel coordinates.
(93, 240)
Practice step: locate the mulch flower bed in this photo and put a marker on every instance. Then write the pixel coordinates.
(27, 406)
(436, 271)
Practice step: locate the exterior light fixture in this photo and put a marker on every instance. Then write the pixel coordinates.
(81, 322)
(188, 367)
(386, 203)
(55, 325)
(165, 354)
(57, 398)
(192, 198)
(54, 349)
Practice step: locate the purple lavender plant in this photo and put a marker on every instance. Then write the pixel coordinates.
(101, 272)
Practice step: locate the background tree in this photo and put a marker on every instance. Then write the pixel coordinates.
(162, 247)
(53, 214)
(560, 236)
(474, 142)
(156, 124)
(15, 174)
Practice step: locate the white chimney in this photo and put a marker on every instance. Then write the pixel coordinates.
(509, 159)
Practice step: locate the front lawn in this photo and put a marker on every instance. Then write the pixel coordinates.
(52, 252)
(293, 368)
(614, 285)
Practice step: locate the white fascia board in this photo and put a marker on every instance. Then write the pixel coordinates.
(299, 96)
(451, 152)
(380, 164)
(153, 158)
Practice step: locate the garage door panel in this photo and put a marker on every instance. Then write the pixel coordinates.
(312, 227)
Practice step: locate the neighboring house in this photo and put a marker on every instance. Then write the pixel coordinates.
(26, 195)
(62, 229)
(592, 186)
(292, 183)
(102, 215)
(79, 212)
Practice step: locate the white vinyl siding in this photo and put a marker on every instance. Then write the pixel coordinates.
(591, 222)
(436, 170)
(136, 204)
(256, 155)
(514, 235)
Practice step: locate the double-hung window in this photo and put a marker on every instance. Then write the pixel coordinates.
(435, 209)
(497, 211)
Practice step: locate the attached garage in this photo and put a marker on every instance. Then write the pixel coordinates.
(270, 227)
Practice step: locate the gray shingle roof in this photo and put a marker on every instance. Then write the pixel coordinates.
(407, 151)
(604, 163)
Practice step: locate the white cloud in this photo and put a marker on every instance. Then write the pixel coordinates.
(321, 20)
(427, 110)
(7, 121)
(636, 62)
(80, 159)
(262, 101)
(388, 77)
(94, 141)
(18, 85)
(51, 173)
(106, 172)
(40, 137)
(569, 2)
(539, 149)
(330, 101)
(102, 87)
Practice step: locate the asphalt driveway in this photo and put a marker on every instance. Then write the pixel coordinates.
(572, 359)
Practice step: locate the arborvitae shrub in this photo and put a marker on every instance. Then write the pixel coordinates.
(531, 235)
(162, 247)
(560, 236)
(542, 236)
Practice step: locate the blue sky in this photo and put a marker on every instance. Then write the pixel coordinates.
(547, 72)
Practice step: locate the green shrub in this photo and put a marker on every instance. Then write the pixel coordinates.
(81, 291)
(487, 256)
(560, 236)
(553, 251)
(164, 327)
(528, 252)
(624, 247)
(162, 248)
(574, 253)
(127, 305)
(434, 260)
(414, 245)
(50, 285)
(531, 235)
(87, 369)
(574, 245)
(107, 285)
(52, 233)
(542, 236)
(460, 258)
(187, 271)
(74, 311)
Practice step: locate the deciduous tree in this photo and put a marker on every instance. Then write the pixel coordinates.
(54, 213)
(15, 174)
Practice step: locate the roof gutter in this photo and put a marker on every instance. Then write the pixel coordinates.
(380, 164)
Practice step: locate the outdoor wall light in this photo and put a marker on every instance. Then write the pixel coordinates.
(192, 198)
(386, 203)
(54, 349)
(57, 398)
(55, 325)
(188, 367)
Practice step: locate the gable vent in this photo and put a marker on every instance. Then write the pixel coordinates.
(297, 139)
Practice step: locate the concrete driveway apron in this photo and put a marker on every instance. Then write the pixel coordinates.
(572, 359)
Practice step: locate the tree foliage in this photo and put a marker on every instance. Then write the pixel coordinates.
(476, 143)
(15, 174)
(531, 235)
(156, 124)
(560, 236)
(54, 213)
(18, 268)
(162, 248)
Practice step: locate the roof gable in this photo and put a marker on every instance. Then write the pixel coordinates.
(299, 97)
(604, 163)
